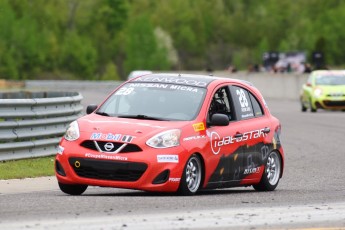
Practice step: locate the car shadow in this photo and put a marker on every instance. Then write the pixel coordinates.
(131, 193)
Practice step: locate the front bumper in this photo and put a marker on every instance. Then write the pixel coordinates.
(330, 103)
(142, 171)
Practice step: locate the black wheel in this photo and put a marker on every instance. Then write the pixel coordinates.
(191, 177)
(313, 110)
(303, 108)
(72, 189)
(270, 177)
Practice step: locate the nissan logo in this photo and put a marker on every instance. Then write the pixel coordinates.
(108, 146)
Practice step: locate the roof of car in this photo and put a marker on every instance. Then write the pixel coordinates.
(181, 79)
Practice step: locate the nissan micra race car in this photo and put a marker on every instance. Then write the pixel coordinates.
(324, 89)
(173, 133)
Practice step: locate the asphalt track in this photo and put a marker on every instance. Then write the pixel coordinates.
(311, 194)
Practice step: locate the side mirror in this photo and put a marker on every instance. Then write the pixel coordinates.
(219, 119)
(91, 108)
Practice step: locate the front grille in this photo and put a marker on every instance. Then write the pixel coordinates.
(127, 149)
(334, 103)
(107, 170)
(335, 95)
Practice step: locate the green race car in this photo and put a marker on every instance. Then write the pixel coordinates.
(325, 89)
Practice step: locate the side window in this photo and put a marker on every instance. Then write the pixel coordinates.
(221, 104)
(242, 103)
(245, 103)
(256, 106)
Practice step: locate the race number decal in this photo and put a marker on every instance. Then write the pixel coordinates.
(242, 98)
(124, 91)
(245, 107)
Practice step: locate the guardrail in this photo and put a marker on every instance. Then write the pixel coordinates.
(32, 123)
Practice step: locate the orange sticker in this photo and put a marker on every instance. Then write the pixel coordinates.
(198, 126)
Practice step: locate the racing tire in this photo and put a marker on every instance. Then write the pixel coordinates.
(72, 189)
(313, 110)
(271, 175)
(303, 108)
(191, 177)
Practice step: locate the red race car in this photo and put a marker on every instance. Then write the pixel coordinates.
(173, 133)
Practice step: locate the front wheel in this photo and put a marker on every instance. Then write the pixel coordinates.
(271, 175)
(312, 109)
(72, 189)
(303, 109)
(191, 177)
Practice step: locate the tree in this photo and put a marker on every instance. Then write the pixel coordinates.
(141, 47)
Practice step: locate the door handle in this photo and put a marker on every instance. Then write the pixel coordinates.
(266, 130)
(238, 135)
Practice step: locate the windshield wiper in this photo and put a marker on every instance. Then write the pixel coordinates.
(103, 114)
(141, 116)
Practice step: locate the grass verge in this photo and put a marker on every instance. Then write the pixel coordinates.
(33, 167)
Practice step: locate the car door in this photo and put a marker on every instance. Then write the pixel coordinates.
(227, 159)
(252, 126)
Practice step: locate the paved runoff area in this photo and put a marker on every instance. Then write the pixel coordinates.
(28, 185)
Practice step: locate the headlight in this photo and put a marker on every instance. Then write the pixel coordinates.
(165, 139)
(318, 92)
(72, 132)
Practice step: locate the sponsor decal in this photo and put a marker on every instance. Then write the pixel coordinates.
(217, 142)
(60, 149)
(174, 179)
(161, 86)
(184, 88)
(199, 126)
(194, 137)
(111, 137)
(183, 81)
(167, 158)
(251, 171)
(247, 115)
(107, 157)
(150, 85)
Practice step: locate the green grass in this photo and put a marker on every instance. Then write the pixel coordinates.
(34, 167)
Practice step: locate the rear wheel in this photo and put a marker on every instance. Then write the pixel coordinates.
(270, 178)
(72, 189)
(191, 177)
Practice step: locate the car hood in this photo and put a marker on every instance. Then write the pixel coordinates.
(112, 128)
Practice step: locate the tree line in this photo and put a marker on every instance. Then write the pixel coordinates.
(106, 39)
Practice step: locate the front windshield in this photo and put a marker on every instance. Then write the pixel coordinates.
(330, 80)
(154, 101)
